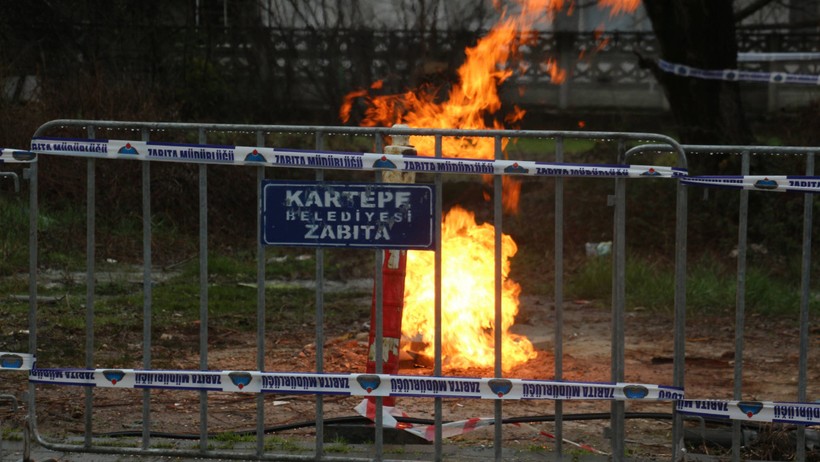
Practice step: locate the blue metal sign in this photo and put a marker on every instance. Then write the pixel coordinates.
(366, 215)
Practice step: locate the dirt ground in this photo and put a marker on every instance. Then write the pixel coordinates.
(769, 371)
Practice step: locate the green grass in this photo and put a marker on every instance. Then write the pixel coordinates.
(162, 445)
(338, 446)
(537, 448)
(229, 440)
(709, 286)
(9, 434)
(113, 443)
(542, 149)
(175, 307)
(274, 443)
(14, 242)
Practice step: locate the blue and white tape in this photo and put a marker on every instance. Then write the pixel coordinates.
(16, 361)
(256, 156)
(778, 183)
(16, 156)
(374, 385)
(756, 411)
(353, 384)
(735, 75)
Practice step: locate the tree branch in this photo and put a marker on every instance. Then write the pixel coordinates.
(751, 9)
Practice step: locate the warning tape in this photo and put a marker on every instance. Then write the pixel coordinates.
(367, 408)
(734, 75)
(353, 384)
(16, 361)
(255, 156)
(781, 183)
(761, 56)
(239, 155)
(416, 386)
(16, 156)
(757, 411)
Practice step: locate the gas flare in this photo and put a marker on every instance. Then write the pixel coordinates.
(468, 300)
(617, 7)
(468, 257)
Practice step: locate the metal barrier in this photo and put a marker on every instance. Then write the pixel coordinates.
(19, 162)
(744, 183)
(12, 400)
(86, 145)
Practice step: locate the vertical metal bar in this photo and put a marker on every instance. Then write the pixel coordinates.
(618, 307)
(679, 335)
(320, 317)
(379, 429)
(33, 219)
(260, 303)
(378, 350)
(203, 295)
(147, 294)
(437, 366)
(805, 297)
(498, 223)
(91, 210)
(740, 303)
(559, 297)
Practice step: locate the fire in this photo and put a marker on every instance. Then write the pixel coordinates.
(468, 300)
(472, 102)
(617, 7)
(557, 75)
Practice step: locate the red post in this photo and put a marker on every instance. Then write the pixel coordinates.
(394, 270)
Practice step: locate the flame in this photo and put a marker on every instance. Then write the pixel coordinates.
(557, 75)
(617, 7)
(472, 102)
(468, 300)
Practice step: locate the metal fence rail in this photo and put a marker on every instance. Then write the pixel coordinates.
(622, 145)
(742, 248)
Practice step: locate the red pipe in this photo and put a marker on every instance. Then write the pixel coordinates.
(394, 270)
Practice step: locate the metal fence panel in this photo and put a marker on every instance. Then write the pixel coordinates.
(197, 135)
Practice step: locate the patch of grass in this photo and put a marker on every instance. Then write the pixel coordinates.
(14, 242)
(162, 445)
(291, 264)
(231, 437)
(175, 307)
(12, 435)
(113, 443)
(709, 286)
(229, 440)
(395, 450)
(338, 446)
(15, 284)
(273, 443)
(231, 267)
(538, 448)
(113, 287)
(62, 236)
(544, 149)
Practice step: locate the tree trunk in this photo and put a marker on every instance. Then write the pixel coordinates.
(701, 34)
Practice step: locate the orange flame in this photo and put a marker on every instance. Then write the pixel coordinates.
(617, 7)
(470, 100)
(468, 307)
(468, 281)
(557, 75)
